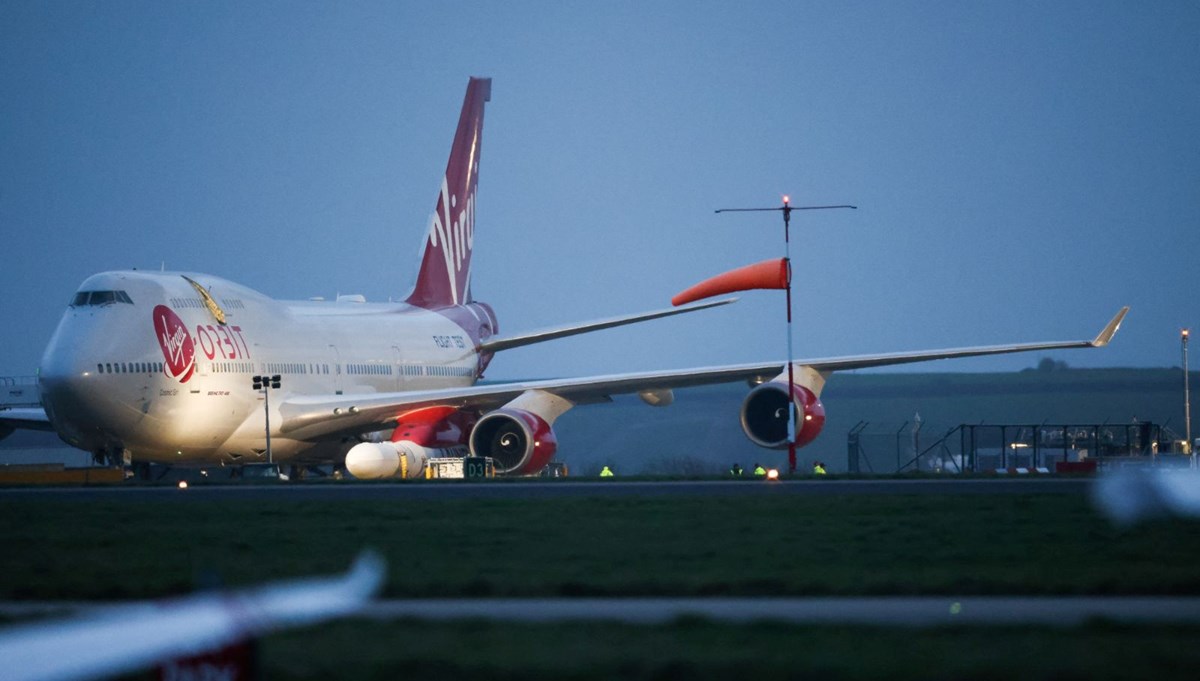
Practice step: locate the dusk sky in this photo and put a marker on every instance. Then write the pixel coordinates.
(1022, 169)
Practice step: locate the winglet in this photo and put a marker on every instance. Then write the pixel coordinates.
(1110, 330)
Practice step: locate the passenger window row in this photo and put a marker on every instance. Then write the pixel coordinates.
(231, 368)
(450, 371)
(129, 367)
(408, 370)
(369, 369)
(188, 302)
(295, 368)
(286, 368)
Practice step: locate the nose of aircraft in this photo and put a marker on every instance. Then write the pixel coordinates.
(64, 379)
(69, 377)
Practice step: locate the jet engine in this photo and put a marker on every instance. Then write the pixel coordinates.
(765, 415)
(403, 459)
(520, 442)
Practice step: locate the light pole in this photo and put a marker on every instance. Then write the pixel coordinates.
(1187, 400)
(265, 384)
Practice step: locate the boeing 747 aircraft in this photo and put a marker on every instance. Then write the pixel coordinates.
(157, 366)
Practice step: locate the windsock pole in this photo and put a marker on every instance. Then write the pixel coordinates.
(791, 366)
(787, 209)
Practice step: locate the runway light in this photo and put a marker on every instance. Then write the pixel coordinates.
(773, 474)
(955, 608)
(183, 484)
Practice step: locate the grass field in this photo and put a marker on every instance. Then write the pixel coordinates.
(704, 650)
(740, 545)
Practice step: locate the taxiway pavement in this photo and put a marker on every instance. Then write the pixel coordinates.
(522, 489)
(898, 611)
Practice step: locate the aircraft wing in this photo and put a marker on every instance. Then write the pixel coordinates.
(498, 343)
(309, 417)
(866, 361)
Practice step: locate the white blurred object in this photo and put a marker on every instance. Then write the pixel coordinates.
(130, 637)
(1131, 495)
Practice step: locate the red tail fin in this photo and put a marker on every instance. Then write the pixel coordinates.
(445, 276)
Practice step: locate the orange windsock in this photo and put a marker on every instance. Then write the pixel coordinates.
(766, 274)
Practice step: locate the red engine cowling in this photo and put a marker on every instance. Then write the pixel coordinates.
(519, 442)
(765, 417)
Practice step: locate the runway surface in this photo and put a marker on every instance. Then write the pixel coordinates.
(869, 611)
(519, 489)
(872, 611)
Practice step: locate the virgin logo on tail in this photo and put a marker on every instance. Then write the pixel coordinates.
(445, 275)
(454, 238)
(178, 350)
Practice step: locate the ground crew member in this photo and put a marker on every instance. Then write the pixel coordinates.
(606, 472)
(736, 470)
(818, 468)
(759, 471)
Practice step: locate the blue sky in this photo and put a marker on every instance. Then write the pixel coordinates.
(1022, 169)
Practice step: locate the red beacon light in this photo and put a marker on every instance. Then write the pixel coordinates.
(786, 199)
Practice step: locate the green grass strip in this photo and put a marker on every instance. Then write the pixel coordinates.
(731, 545)
(694, 649)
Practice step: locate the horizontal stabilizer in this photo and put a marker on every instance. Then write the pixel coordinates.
(507, 342)
(23, 418)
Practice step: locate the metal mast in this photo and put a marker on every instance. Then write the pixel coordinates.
(787, 209)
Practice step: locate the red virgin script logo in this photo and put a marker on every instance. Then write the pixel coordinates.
(178, 349)
(454, 236)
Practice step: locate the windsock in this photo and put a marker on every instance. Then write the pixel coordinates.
(768, 274)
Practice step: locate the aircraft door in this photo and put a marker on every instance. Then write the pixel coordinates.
(335, 369)
(398, 368)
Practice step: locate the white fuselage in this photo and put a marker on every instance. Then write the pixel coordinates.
(141, 364)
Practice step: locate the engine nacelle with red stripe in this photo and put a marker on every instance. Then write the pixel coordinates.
(765, 415)
(519, 442)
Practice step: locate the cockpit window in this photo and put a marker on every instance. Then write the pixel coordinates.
(86, 298)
